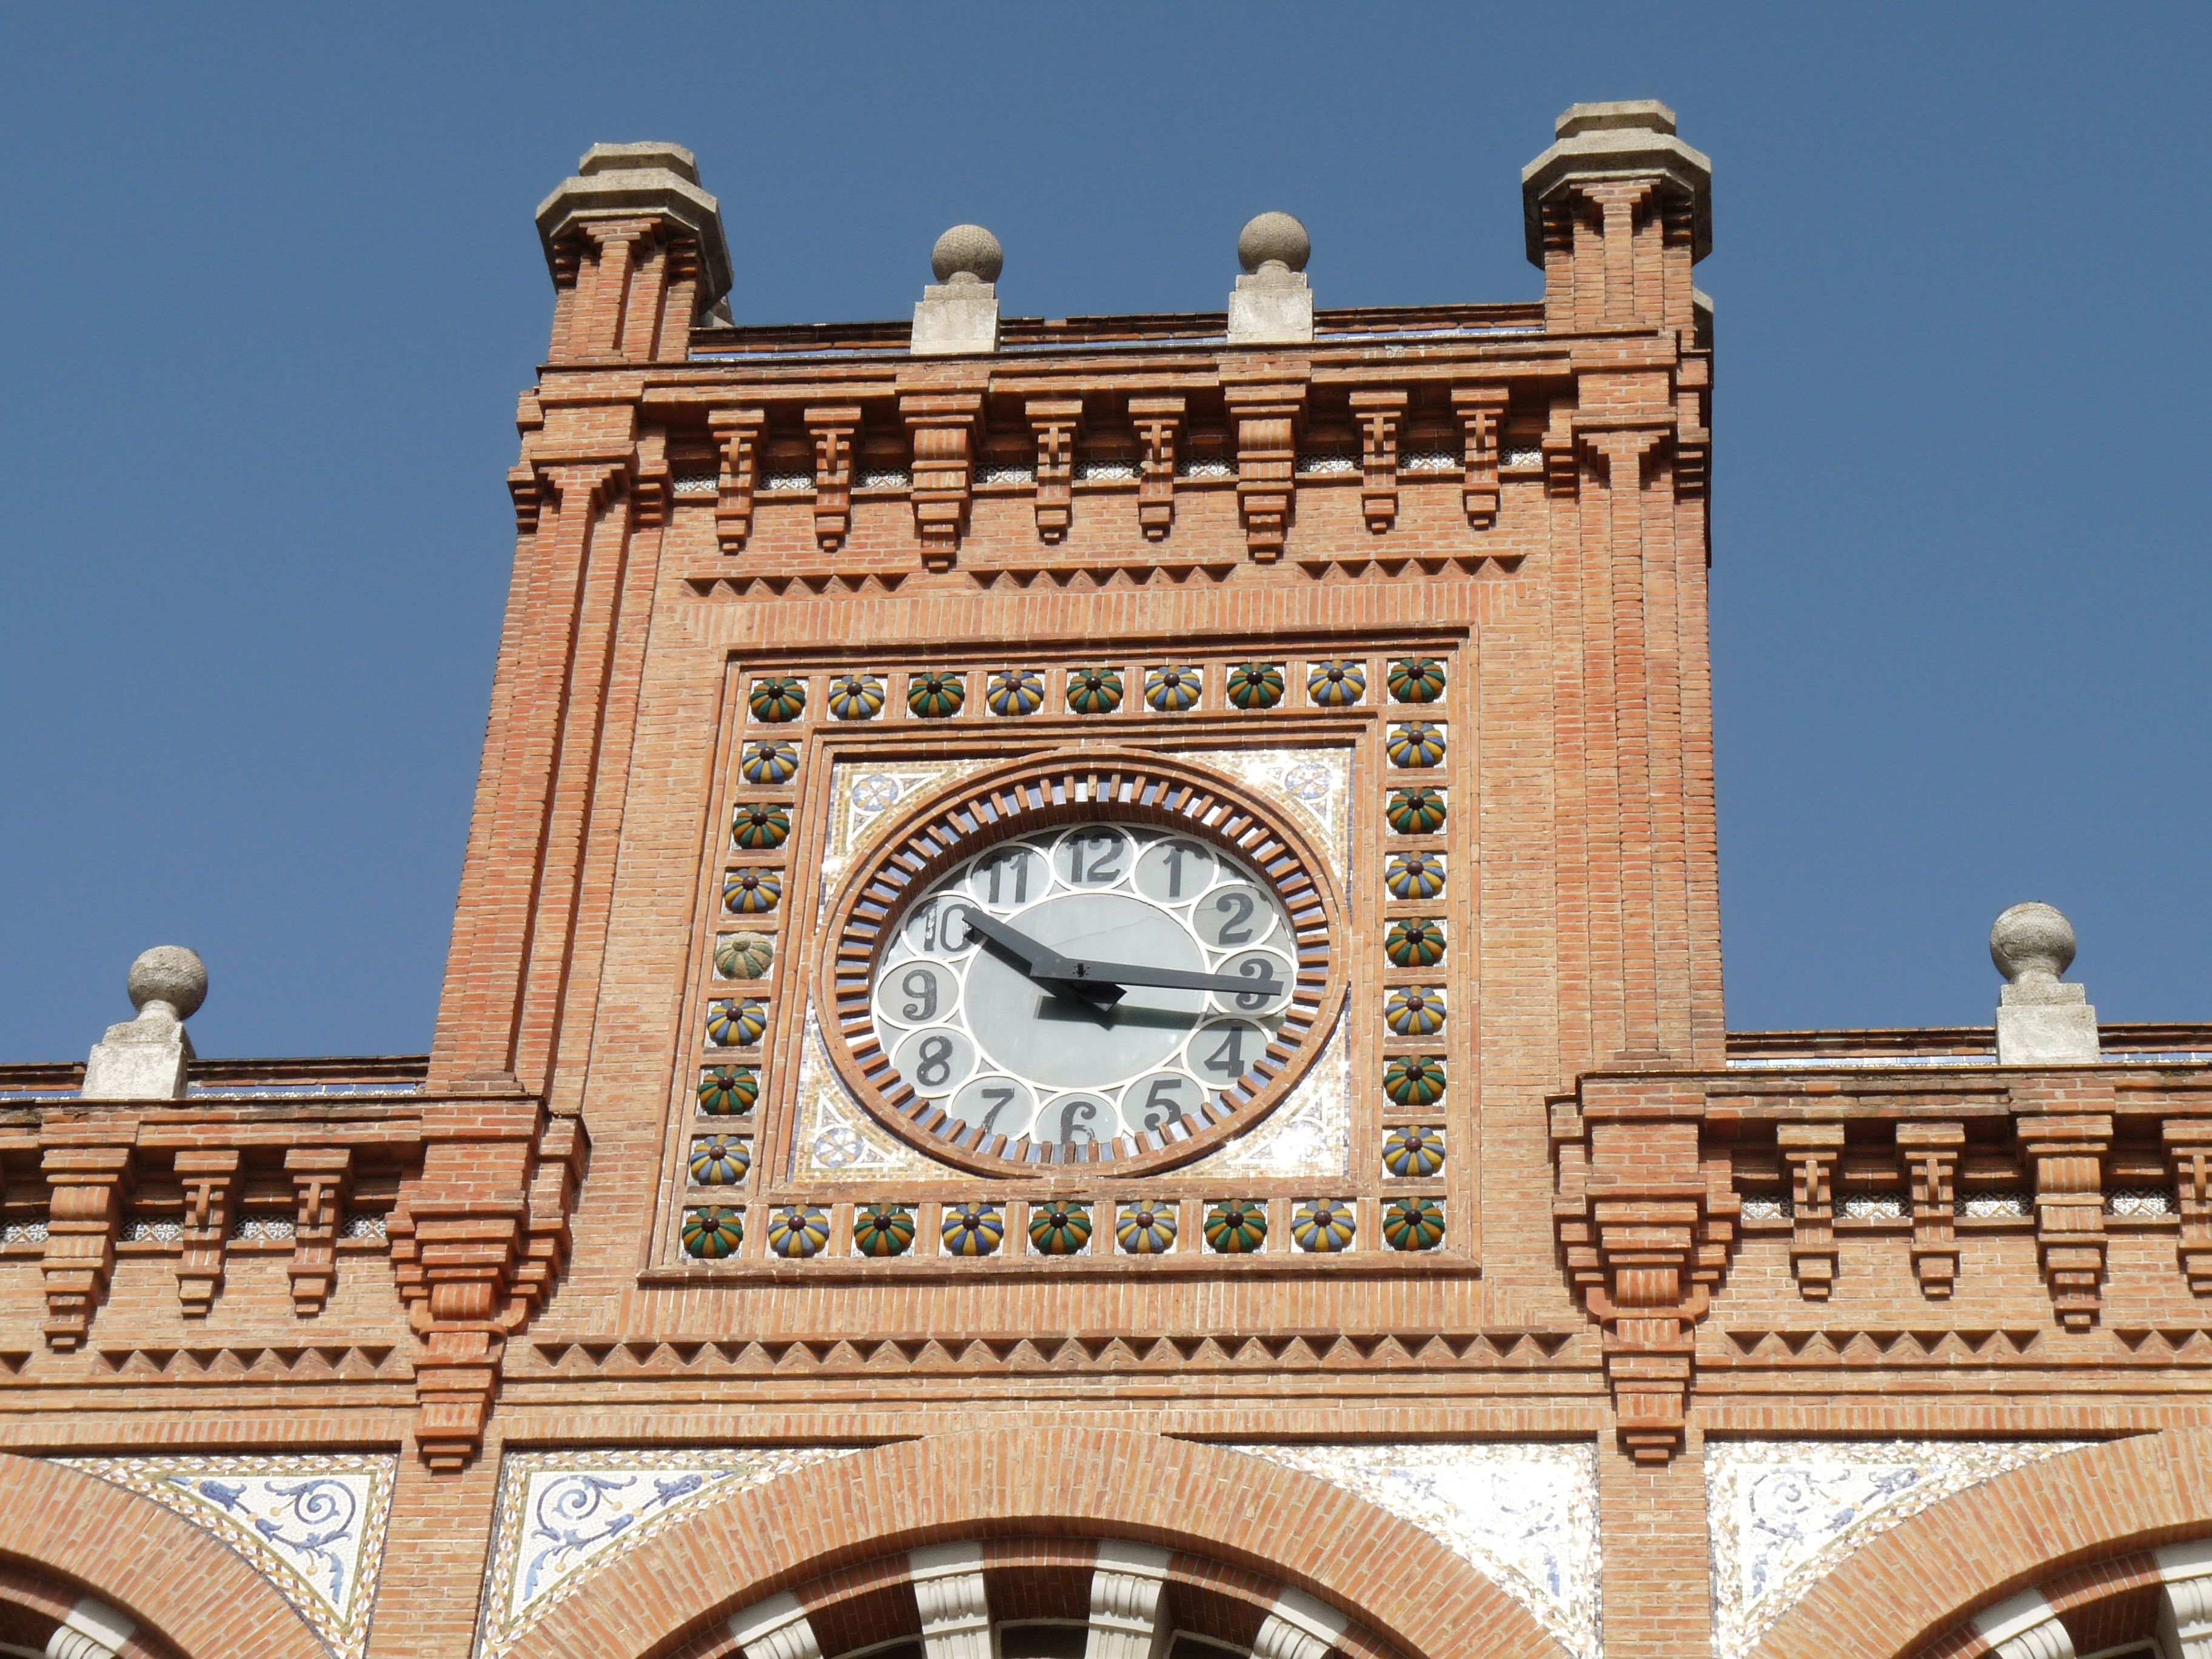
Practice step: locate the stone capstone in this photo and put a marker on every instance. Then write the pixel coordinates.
(630, 181)
(1631, 139)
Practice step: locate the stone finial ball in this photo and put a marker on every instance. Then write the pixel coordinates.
(1274, 239)
(2031, 941)
(967, 251)
(172, 975)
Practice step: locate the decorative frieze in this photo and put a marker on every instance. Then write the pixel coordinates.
(1784, 1514)
(314, 1527)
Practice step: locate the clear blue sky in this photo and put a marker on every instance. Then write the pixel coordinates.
(273, 285)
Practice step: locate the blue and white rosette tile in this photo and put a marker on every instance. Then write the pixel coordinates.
(1524, 1516)
(1784, 1514)
(562, 1515)
(312, 1526)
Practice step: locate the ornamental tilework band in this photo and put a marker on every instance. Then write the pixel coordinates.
(1525, 1516)
(562, 1515)
(1784, 1514)
(314, 1527)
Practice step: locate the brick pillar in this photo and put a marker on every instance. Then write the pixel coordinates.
(500, 1018)
(1615, 213)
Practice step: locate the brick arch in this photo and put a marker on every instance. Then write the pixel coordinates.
(2022, 1530)
(1388, 1577)
(191, 1595)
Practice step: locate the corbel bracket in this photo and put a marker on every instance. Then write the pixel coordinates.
(1481, 412)
(322, 1179)
(1267, 419)
(738, 435)
(943, 426)
(1056, 422)
(1811, 1151)
(1158, 421)
(1931, 1152)
(836, 433)
(1378, 414)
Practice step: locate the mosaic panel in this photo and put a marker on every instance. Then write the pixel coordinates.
(860, 794)
(1315, 784)
(1310, 1133)
(1784, 1514)
(314, 1527)
(562, 1515)
(1524, 1516)
(837, 1138)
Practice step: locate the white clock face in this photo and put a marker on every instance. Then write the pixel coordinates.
(1074, 986)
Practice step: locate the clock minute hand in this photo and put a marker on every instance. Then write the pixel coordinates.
(1172, 979)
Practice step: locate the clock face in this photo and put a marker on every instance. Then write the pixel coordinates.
(1099, 981)
(1102, 956)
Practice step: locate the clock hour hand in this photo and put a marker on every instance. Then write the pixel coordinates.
(1040, 962)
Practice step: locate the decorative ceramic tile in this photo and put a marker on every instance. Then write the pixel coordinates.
(1310, 1133)
(1784, 1514)
(861, 793)
(1314, 784)
(1524, 1516)
(562, 1515)
(314, 1527)
(837, 1139)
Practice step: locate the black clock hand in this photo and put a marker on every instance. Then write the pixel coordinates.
(1173, 979)
(1040, 962)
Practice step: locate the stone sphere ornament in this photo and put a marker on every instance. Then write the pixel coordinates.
(170, 977)
(967, 253)
(1273, 238)
(2032, 942)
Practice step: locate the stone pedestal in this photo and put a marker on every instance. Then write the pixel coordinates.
(955, 318)
(2046, 1024)
(1272, 308)
(142, 1059)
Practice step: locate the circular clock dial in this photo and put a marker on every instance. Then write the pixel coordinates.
(1089, 982)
